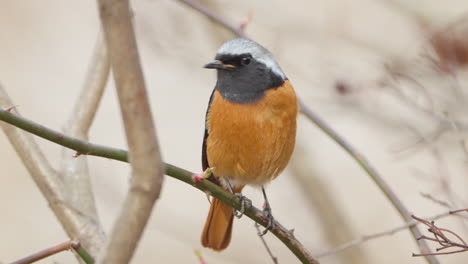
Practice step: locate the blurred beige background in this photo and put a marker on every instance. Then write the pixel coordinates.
(411, 129)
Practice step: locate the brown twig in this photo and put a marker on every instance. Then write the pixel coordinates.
(440, 236)
(366, 238)
(459, 211)
(68, 245)
(144, 155)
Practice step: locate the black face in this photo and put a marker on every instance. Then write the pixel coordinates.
(247, 79)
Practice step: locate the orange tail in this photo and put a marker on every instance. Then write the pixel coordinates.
(218, 226)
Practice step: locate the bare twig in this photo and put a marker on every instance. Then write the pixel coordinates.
(75, 172)
(435, 200)
(93, 88)
(262, 238)
(440, 236)
(68, 245)
(254, 213)
(145, 159)
(76, 225)
(459, 211)
(366, 238)
(237, 30)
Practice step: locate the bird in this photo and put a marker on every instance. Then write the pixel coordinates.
(250, 129)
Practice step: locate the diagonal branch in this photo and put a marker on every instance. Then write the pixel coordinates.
(75, 172)
(67, 245)
(366, 238)
(236, 30)
(373, 174)
(80, 146)
(144, 155)
(77, 225)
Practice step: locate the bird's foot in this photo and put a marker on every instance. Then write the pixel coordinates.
(198, 177)
(245, 203)
(269, 216)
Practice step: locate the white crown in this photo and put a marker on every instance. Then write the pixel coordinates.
(241, 46)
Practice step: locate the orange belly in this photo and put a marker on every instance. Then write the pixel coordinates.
(252, 143)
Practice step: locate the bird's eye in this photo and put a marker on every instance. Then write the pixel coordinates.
(245, 61)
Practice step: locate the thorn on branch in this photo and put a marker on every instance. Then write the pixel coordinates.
(441, 237)
(292, 231)
(11, 108)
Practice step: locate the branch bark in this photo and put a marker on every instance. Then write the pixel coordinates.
(144, 155)
(75, 172)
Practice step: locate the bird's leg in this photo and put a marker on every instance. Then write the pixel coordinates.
(267, 213)
(245, 203)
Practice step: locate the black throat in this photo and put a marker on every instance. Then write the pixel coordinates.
(247, 84)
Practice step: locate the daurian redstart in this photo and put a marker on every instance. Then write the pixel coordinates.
(250, 128)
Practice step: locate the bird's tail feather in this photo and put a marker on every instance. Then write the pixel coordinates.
(218, 226)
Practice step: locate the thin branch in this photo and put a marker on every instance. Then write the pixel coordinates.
(459, 211)
(93, 88)
(237, 30)
(262, 238)
(145, 158)
(435, 200)
(254, 213)
(441, 238)
(83, 253)
(68, 245)
(366, 238)
(372, 173)
(75, 172)
(77, 226)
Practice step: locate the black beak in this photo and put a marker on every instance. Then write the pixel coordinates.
(217, 64)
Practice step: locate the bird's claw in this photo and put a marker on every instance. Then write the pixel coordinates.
(267, 214)
(245, 203)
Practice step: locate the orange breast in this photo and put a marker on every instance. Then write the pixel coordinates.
(252, 143)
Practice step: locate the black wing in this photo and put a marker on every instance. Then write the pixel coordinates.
(205, 164)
